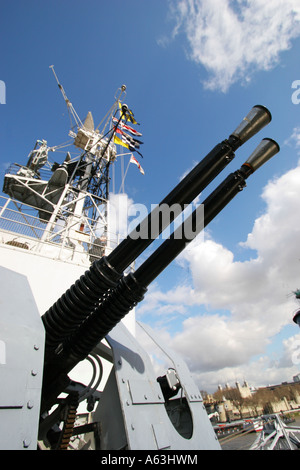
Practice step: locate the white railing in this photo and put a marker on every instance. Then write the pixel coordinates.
(20, 227)
(276, 435)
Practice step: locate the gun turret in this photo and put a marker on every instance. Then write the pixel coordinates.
(77, 303)
(130, 289)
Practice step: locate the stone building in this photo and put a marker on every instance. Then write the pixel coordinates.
(240, 401)
(244, 389)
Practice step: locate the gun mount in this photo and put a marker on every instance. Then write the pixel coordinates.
(137, 409)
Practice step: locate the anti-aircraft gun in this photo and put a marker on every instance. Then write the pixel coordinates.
(137, 409)
(92, 307)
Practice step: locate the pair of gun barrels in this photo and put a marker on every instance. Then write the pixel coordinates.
(103, 295)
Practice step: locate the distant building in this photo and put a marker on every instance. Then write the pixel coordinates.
(244, 389)
(233, 403)
(296, 378)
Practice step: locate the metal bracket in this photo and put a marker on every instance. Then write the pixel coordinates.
(191, 390)
(143, 410)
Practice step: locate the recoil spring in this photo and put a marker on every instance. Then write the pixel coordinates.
(77, 303)
(122, 300)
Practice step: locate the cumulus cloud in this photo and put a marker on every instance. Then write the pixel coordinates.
(294, 139)
(234, 39)
(242, 305)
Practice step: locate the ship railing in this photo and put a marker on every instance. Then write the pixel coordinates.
(16, 169)
(276, 435)
(21, 228)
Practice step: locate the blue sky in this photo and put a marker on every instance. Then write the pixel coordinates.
(193, 69)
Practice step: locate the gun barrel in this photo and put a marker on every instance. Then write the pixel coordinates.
(136, 285)
(77, 303)
(190, 187)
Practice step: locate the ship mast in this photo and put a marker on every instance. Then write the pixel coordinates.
(90, 174)
(73, 201)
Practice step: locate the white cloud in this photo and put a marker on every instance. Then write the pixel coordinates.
(234, 39)
(242, 305)
(294, 139)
